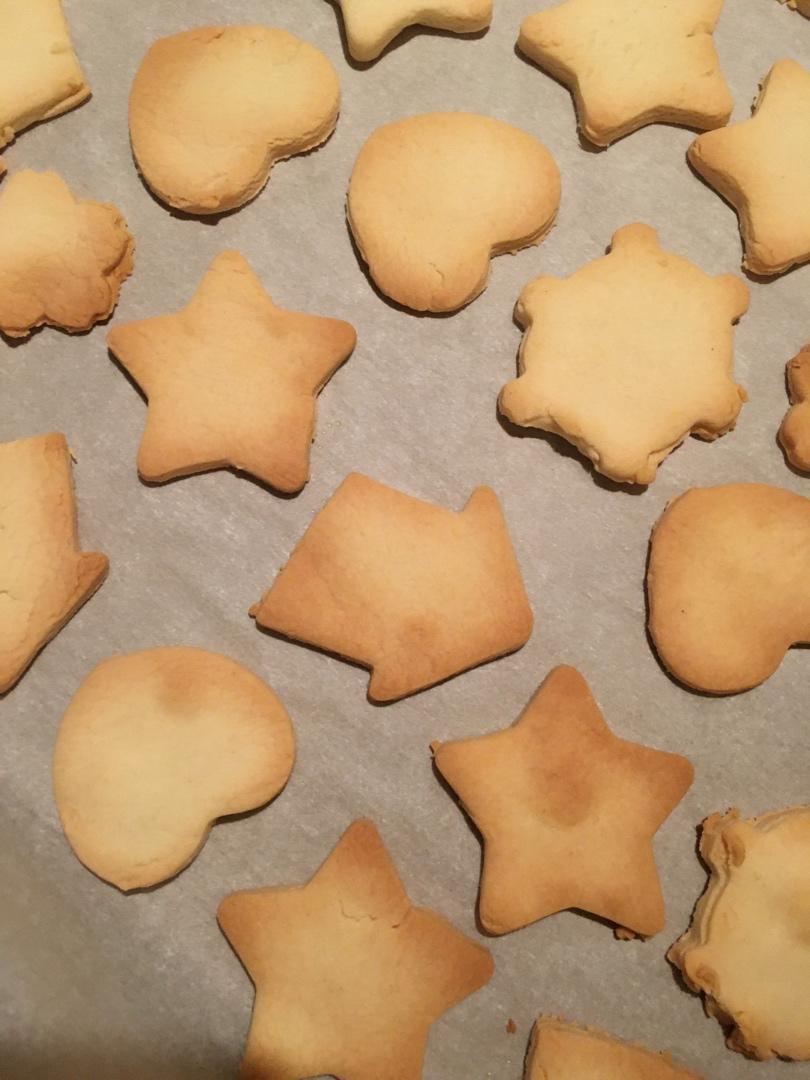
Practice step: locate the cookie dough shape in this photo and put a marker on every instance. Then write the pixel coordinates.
(370, 25)
(639, 62)
(432, 198)
(40, 76)
(563, 1051)
(567, 812)
(794, 434)
(748, 948)
(762, 167)
(231, 379)
(44, 576)
(728, 584)
(154, 747)
(626, 383)
(413, 591)
(243, 97)
(62, 259)
(349, 975)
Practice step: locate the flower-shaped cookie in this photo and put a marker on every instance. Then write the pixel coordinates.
(748, 948)
(624, 379)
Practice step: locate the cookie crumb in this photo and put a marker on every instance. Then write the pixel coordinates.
(511, 1026)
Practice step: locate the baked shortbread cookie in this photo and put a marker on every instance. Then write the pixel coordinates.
(370, 25)
(413, 591)
(44, 576)
(626, 383)
(432, 198)
(632, 62)
(40, 76)
(798, 5)
(748, 948)
(243, 97)
(349, 975)
(762, 167)
(62, 259)
(567, 812)
(794, 434)
(728, 584)
(231, 379)
(154, 747)
(560, 1050)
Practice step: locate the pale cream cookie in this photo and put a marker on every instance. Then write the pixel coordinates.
(432, 198)
(560, 1050)
(154, 747)
(212, 110)
(40, 76)
(567, 811)
(62, 259)
(794, 434)
(413, 591)
(231, 379)
(44, 576)
(748, 948)
(762, 167)
(627, 382)
(349, 975)
(632, 62)
(371, 25)
(728, 584)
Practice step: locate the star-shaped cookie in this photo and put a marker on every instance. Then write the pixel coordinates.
(762, 167)
(567, 811)
(371, 25)
(231, 379)
(632, 62)
(349, 976)
(627, 382)
(44, 575)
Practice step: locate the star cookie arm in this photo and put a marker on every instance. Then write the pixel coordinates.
(370, 26)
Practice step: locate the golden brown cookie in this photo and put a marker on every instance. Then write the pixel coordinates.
(40, 76)
(413, 591)
(62, 259)
(728, 584)
(762, 167)
(748, 948)
(567, 812)
(560, 1050)
(370, 25)
(231, 379)
(794, 434)
(44, 576)
(798, 5)
(349, 975)
(154, 747)
(632, 62)
(243, 97)
(432, 198)
(627, 383)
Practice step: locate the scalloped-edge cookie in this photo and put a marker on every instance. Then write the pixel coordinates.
(794, 433)
(433, 197)
(212, 110)
(728, 584)
(156, 746)
(62, 259)
(629, 63)
(748, 947)
(560, 1050)
(349, 974)
(762, 167)
(371, 25)
(627, 383)
(44, 576)
(40, 76)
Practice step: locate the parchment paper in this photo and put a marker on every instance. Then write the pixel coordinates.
(95, 984)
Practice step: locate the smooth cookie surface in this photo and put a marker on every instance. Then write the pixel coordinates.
(244, 97)
(371, 25)
(432, 198)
